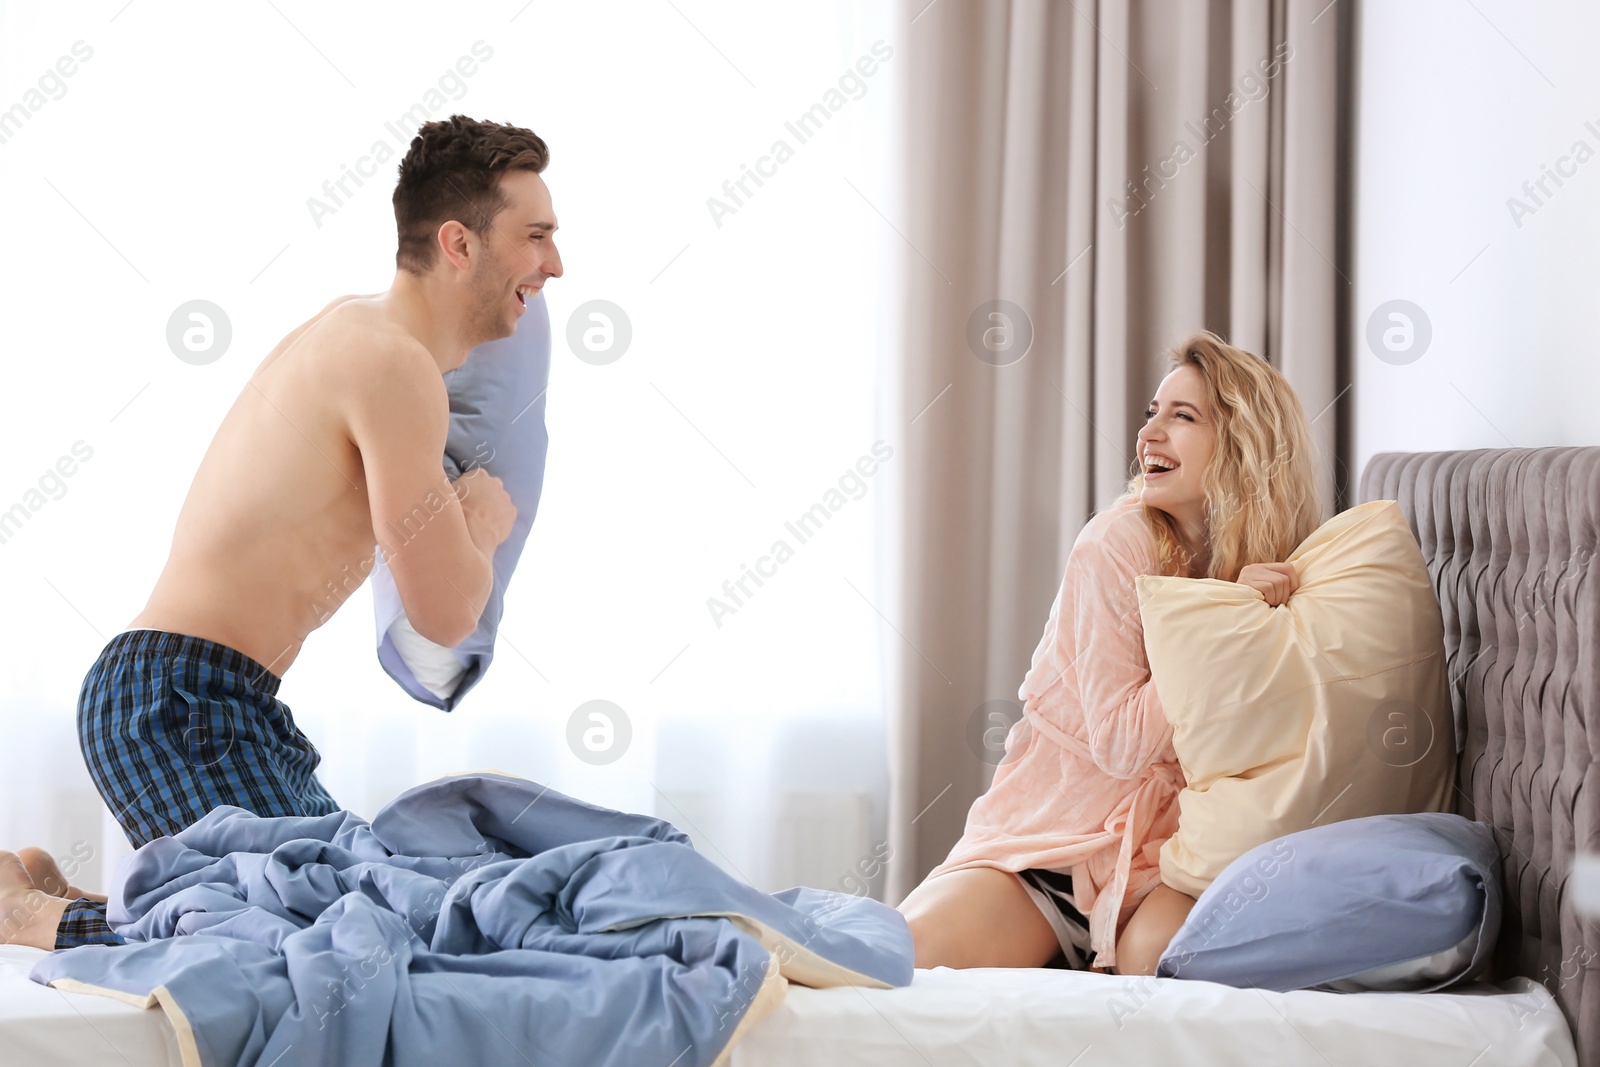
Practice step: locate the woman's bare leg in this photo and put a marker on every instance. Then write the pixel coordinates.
(47, 876)
(1151, 929)
(977, 917)
(28, 916)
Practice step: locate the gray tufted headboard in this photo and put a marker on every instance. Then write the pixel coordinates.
(1510, 536)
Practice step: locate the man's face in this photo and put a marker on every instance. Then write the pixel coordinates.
(519, 256)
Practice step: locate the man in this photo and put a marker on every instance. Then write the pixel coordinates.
(333, 446)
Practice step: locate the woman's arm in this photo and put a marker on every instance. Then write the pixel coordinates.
(1098, 634)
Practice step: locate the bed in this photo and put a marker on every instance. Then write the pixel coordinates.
(949, 1018)
(1507, 534)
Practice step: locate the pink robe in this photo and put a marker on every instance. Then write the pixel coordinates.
(1090, 781)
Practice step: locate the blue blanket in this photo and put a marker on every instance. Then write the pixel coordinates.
(477, 919)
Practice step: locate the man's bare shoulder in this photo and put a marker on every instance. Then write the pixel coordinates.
(354, 349)
(362, 329)
(377, 374)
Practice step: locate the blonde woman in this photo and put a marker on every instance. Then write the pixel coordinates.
(1059, 864)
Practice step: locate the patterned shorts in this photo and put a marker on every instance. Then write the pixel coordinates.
(172, 726)
(84, 923)
(1051, 891)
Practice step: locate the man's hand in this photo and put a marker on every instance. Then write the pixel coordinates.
(1275, 581)
(487, 507)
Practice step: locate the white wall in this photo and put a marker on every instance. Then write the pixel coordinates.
(1458, 105)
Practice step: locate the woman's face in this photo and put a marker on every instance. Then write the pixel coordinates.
(1179, 432)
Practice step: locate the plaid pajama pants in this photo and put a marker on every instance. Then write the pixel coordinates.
(84, 923)
(173, 726)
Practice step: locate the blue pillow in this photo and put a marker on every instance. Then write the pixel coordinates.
(497, 401)
(1391, 902)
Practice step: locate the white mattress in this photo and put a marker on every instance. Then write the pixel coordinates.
(948, 1018)
(1053, 1018)
(41, 1027)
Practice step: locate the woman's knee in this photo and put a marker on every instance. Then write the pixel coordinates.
(979, 917)
(1151, 929)
(921, 910)
(927, 948)
(1139, 949)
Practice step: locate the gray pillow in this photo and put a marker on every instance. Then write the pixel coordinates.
(1391, 902)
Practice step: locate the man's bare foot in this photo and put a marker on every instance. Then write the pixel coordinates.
(28, 915)
(48, 877)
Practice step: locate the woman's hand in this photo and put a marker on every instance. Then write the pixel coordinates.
(1275, 581)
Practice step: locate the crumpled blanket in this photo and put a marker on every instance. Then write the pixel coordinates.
(478, 919)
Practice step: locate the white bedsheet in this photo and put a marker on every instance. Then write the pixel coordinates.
(969, 1018)
(1052, 1018)
(41, 1027)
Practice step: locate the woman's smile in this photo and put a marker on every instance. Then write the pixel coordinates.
(1178, 433)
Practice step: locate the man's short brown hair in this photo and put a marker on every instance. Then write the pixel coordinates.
(452, 172)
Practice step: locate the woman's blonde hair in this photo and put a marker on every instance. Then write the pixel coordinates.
(1260, 486)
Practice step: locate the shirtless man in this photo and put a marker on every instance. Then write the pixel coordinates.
(333, 450)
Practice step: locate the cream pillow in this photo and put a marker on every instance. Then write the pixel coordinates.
(1331, 706)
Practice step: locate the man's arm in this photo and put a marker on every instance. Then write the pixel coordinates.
(399, 420)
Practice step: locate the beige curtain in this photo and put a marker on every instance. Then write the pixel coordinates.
(1120, 174)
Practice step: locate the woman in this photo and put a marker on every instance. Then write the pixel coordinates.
(1060, 859)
